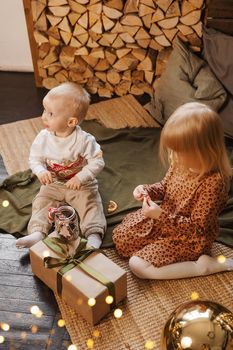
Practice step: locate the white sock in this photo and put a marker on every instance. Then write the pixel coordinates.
(94, 240)
(30, 240)
(205, 265)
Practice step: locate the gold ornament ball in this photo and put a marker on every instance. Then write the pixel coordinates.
(199, 325)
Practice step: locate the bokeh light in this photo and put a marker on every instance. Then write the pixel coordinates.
(61, 323)
(72, 347)
(5, 203)
(34, 309)
(90, 343)
(109, 299)
(39, 314)
(96, 333)
(149, 344)
(2, 339)
(221, 259)
(34, 329)
(91, 301)
(5, 327)
(194, 296)
(118, 313)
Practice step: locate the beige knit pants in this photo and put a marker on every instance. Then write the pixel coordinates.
(86, 201)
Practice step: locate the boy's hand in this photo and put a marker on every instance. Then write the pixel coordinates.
(45, 177)
(150, 209)
(139, 193)
(74, 183)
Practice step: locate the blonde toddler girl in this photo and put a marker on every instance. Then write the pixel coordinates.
(174, 239)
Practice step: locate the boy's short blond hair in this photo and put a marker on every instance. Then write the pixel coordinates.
(77, 97)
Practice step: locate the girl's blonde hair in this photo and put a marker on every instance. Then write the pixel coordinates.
(196, 129)
(77, 98)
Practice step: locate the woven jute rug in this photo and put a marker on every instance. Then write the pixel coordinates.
(149, 303)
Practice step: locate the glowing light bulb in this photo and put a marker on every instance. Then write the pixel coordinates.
(221, 259)
(5, 327)
(194, 296)
(39, 314)
(5, 203)
(91, 302)
(149, 344)
(90, 343)
(61, 323)
(34, 309)
(72, 347)
(109, 299)
(118, 313)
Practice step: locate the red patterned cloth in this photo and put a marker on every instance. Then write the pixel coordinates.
(66, 172)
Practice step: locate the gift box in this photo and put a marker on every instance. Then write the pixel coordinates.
(83, 280)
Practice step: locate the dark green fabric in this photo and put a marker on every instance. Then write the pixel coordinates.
(19, 190)
(131, 158)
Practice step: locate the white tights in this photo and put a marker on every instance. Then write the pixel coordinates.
(205, 265)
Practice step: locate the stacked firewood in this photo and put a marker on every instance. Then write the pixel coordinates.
(110, 46)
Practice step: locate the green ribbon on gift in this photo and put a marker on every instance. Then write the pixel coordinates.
(67, 263)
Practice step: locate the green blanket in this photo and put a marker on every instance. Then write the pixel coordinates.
(131, 158)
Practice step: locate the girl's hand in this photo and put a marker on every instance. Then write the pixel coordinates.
(150, 209)
(74, 183)
(139, 193)
(45, 177)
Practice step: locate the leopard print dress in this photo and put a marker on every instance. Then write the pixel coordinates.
(187, 226)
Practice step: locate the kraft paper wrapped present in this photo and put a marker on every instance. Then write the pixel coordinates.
(88, 274)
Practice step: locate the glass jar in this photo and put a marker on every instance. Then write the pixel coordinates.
(66, 222)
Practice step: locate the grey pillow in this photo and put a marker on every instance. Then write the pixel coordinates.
(187, 78)
(218, 52)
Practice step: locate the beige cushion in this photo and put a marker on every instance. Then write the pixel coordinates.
(187, 78)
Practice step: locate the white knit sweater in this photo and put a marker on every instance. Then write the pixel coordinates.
(50, 152)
